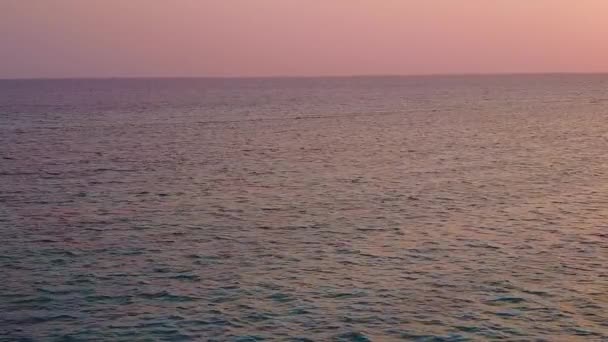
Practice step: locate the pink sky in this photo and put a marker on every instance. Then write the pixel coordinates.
(106, 38)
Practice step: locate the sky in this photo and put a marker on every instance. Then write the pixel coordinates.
(138, 38)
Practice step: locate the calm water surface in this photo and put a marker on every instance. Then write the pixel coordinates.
(353, 209)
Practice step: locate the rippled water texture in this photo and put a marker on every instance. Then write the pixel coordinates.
(355, 209)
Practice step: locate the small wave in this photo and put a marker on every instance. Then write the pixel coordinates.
(352, 337)
(166, 296)
(507, 300)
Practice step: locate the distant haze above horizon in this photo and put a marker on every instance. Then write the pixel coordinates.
(229, 38)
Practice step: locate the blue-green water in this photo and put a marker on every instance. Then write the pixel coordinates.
(347, 209)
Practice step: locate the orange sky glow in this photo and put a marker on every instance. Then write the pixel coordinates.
(113, 38)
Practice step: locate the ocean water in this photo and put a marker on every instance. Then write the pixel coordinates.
(331, 209)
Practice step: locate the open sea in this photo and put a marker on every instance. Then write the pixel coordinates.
(454, 208)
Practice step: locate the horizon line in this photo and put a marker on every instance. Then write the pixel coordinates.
(228, 77)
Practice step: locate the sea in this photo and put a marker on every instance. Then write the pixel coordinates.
(421, 208)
